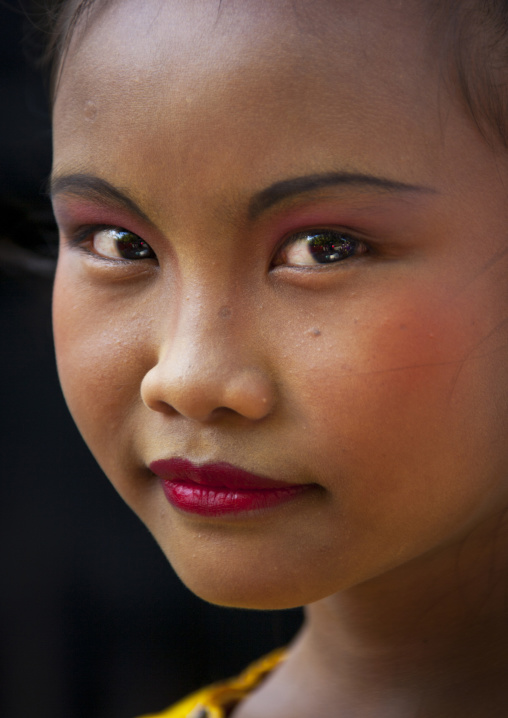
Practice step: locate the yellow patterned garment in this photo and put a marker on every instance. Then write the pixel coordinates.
(218, 700)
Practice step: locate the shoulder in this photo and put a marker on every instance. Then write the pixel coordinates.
(213, 701)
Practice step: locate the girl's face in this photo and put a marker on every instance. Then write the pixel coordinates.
(312, 286)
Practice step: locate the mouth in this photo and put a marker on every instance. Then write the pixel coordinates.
(220, 489)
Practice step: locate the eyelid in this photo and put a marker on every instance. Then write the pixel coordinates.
(321, 229)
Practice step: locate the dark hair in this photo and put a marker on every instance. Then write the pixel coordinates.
(55, 22)
(472, 39)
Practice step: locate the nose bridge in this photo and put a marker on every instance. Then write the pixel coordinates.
(208, 361)
(204, 333)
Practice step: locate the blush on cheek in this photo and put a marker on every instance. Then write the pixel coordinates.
(381, 387)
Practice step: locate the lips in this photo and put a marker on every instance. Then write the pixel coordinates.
(220, 489)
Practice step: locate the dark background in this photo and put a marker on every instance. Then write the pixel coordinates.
(93, 622)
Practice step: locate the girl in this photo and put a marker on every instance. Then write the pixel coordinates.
(281, 325)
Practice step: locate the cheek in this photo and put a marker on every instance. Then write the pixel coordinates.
(400, 418)
(401, 387)
(102, 349)
(384, 350)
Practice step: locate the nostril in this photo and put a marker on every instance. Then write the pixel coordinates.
(158, 405)
(208, 389)
(163, 408)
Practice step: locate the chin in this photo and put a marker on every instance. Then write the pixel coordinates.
(255, 599)
(238, 590)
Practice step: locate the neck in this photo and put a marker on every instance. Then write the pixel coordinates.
(427, 639)
(421, 629)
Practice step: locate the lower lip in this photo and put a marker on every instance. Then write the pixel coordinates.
(218, 501)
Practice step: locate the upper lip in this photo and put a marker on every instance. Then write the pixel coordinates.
(214, 475)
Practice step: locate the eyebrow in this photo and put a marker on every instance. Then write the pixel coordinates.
(298, 185)
(95, 189)
(100, 190)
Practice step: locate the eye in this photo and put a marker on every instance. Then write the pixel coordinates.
(322, 246)
(117, 243)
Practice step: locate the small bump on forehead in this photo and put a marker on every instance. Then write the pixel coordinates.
(90, 110)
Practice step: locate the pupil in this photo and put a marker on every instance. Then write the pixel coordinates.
(132, 247)
(331, 246)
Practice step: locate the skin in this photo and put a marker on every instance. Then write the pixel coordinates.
(379, 381)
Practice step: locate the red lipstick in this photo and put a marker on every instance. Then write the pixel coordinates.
(219, 489)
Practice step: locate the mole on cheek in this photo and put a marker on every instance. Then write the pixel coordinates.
(225, 312)
(90, 110)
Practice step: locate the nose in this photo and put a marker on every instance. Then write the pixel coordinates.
(206, 371)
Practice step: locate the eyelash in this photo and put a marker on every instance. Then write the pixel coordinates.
(326, 246)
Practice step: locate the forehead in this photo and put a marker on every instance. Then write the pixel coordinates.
(202, 85)
(169, 29)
